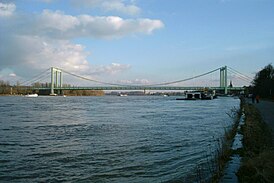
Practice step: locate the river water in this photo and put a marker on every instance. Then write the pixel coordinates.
(107, 139)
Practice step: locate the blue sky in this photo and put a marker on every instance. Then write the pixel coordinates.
(135, 41)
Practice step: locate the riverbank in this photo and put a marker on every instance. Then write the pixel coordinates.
(253, 159)
(257, 152)
(227, 160)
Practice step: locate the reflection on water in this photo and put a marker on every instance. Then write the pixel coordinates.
(107, 139)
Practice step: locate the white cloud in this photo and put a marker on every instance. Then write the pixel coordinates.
(110, 5)
(34, 54)
(7, 74)
(38, 53)
(12, 75)
(113, 68)
(61, 26)
(116, 68)
(56, 20)
(35, 42)
(135, 82)
(7, 10)
(119, 6)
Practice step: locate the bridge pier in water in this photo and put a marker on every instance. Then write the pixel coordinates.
(56, 82)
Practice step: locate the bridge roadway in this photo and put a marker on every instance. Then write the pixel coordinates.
(141, 88)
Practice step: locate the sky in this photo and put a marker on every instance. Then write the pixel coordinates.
(135, 41)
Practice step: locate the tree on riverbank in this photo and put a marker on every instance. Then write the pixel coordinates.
(264, 82)
(84, 92)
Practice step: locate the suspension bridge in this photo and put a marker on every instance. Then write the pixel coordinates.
(56, 84)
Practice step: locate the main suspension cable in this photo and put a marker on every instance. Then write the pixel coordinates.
(241, 76)
(35, 77)
(231, 69)
(158, 84)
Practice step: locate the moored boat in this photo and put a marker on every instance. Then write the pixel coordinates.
(197, 96)
(32, 95)
(122, 95)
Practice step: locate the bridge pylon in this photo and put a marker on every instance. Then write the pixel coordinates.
(56, 80)
(223, 78)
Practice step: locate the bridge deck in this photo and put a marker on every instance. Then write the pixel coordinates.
(138, 88)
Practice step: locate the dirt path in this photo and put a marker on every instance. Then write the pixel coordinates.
(266, 109)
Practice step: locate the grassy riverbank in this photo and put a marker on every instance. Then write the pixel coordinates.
(224, 151)
(258, 152)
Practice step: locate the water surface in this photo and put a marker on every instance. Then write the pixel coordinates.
(107, 139)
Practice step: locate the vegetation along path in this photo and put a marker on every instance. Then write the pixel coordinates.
(266, 109)
(257, 152)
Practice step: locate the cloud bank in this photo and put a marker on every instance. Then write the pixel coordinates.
(36, 41)
(58, 25)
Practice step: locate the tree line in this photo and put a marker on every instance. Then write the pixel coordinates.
(7, 89)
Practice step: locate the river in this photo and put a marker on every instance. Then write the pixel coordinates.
(107, 139)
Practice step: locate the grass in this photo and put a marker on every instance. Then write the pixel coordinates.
(213, 169)
(224, 151)
(258, 152)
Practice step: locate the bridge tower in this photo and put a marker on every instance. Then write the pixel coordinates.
(56, 80)
(223, 78)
